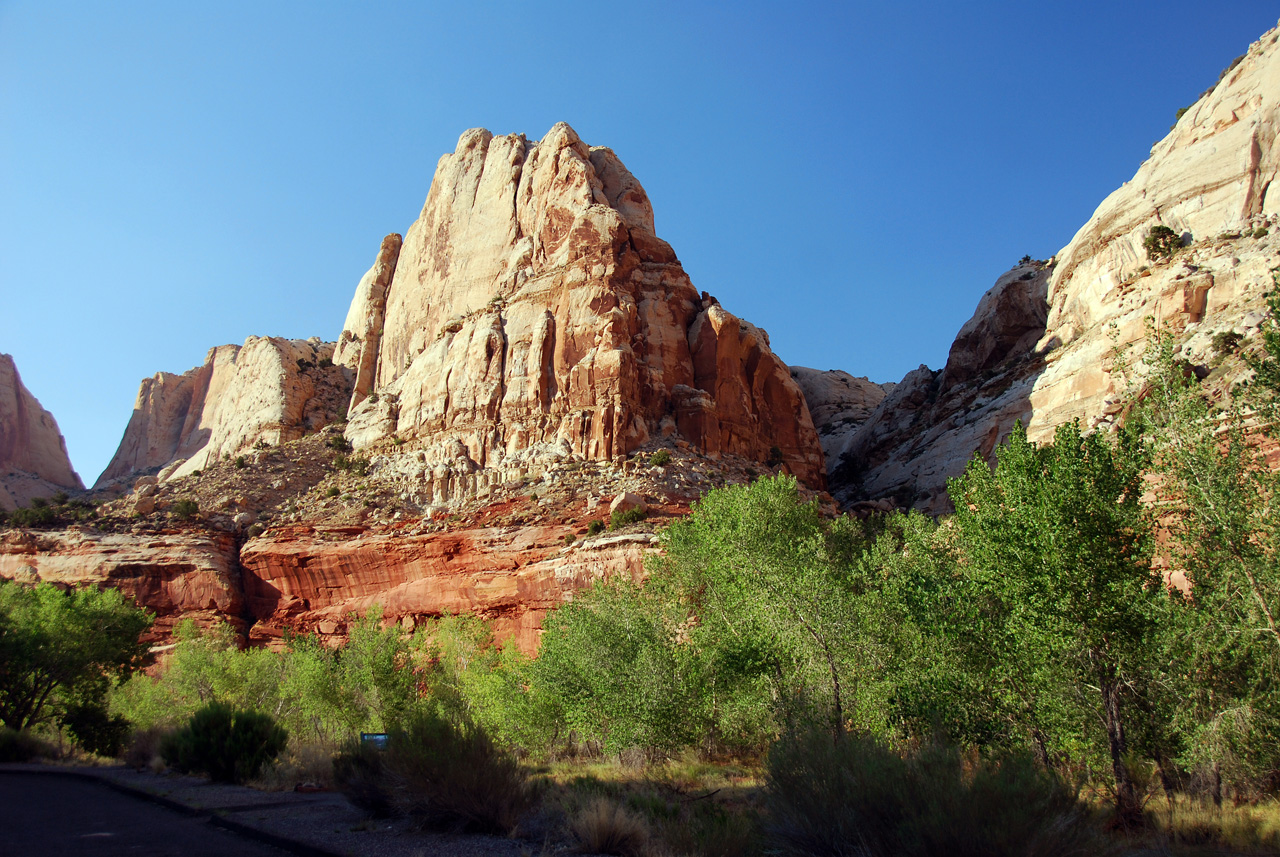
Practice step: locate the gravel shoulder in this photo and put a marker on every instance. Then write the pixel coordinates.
(321, 823)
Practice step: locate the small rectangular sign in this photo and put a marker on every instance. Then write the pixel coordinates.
(377, 739)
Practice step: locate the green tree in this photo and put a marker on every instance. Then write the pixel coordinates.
(1059, 550)
(56, 647)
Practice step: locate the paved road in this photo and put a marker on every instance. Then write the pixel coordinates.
(48, 815)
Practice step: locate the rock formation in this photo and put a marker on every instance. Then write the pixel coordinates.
(533, 314)
(1039, 347)
(33, 455)
(269, 390)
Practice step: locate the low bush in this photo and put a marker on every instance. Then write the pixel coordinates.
(444, 772)
(144, 746)
(186, 509)
(661, 458)
(240, 463)
(230, 746)
(1226, 341)
(339, 443)
(595, 528)
(95, 729)
(857, 796)
(620, 519)
(19, 746)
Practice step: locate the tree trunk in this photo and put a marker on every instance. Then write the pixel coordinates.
(1215, 783)
(1128, 811)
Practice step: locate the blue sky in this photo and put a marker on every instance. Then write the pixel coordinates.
(850, 176)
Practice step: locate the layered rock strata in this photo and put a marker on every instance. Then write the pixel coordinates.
(269, 390)
(1040, 346)
(534, 315)
(33, 454)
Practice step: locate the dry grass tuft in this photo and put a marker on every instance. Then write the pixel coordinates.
(303, 764)
(605, 826)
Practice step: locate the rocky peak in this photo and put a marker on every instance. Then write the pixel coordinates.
(534, 315)
(33, 455)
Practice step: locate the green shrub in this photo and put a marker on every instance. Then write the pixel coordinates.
(1226, 341)
(446, 773)
(621, 519)
(332, 491)
(95, 729)
(240, 462)
(338, 442)
(595, 528)
(186, 509)
(569, 538)
(1261, 232)
(775, 456)
(357, 464)
(1161, 243)
(857, 796)
(261, 445)
(230, 746)
(325, 362)
(36, 516)
(661, 458)
(19, 746)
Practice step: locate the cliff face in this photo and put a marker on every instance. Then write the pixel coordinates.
(33, 455)
(269, 390)
(1039, 347)
(533, 313)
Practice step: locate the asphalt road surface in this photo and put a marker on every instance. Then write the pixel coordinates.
(43, 815)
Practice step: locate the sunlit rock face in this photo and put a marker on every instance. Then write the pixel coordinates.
(33, 455)
(1040, 347)
(534, 315)
(268, 390)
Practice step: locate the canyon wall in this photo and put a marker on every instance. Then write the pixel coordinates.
(33, 454)
(1040, 345)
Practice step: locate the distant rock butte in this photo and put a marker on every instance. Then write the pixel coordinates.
(33, 455)
(533, 314)
(269, 389)
(1039, 347)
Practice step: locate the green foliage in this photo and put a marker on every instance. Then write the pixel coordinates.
(325, 362)
(661, 458)
(339, 443)
(40, 515)
(857, 796)
(230, 746)
(595, 528)
(1261, 232)
(625, 518)
(443, 771)
(332, 491)
(186, 509)
(1060, 594)
(95, 729)
(775, 456)
(320, 694)
(1265, 389)
(1161, 242)
(59, 647)
(356, 464)
(240, 462)
(1226, 342)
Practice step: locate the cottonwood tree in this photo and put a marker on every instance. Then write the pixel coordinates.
(1058, 546)
(57, 647)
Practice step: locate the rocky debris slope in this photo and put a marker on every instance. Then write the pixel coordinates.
(33, 455)
(268, 390)
(301, 535)
(533, 316)
(1039, 347)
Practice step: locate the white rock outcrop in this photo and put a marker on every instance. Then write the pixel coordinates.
(33, 454)
(269, 389)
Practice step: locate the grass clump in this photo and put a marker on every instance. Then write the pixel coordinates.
(854, 795)
(186, 509)
(605, 826)
(661, 458)
(444, 772)
(230, 746)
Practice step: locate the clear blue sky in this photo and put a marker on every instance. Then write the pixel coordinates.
(851, 176)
